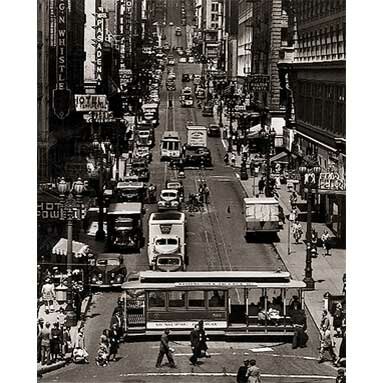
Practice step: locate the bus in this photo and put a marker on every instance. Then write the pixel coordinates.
(231, 303)
(170, 146)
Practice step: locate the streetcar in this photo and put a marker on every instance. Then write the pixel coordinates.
(170, 146)
(231, 303)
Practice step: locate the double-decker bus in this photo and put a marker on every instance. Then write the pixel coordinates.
(231, 303)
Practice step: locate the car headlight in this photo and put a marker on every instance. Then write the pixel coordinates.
(174, 203)
(94, 278)
(119, 278)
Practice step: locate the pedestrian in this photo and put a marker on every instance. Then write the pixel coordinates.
(314, 242)
(341, 377)
(194, 342)
(261, 185)
(165, 350)
(226, 158)
(55, 342)
(48, 294)
(253, 373)
(40, 326)
(342, 351)
(206, 192)
(67, 341)
(113, 338)
(61, 318)
(326, 242)
(338, 319)
(325, 322)
(102, 356)
(252, 167)
(79, 353)
(202, 339)
(45, 344)
(327, 345)
(344, 284)
(233, 158)
(242, 372)
(298, 318)
(105, 340)
(293, 199)
(117, 320)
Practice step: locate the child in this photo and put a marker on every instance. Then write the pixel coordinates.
(102, 356)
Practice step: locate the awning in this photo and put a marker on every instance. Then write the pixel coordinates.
(281, 158)
(254, 131)
(79, 249)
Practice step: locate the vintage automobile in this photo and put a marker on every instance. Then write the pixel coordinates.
(107, 270)
(182, 60)
(170, 85)
(169, 200)
(178, 31)
(185, 77)
(177, 185)
(207, 110)
(142, 153)
(171, 61)
(200, 93)
(141, 170)
(213, 130)
(198, 156)
(130, 191)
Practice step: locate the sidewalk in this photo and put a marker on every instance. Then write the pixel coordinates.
(52, 318)
(327, 270)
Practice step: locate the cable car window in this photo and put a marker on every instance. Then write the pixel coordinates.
(177, 299)
(156, 299)
(196, 299)
(216, 298)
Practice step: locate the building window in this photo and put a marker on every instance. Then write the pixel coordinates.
(214, 17)
(214, 7)
(214, 25)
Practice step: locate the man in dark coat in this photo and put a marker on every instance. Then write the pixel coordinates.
(165, 350)
(242, 372)
(194, 342)
(202, 339)
(300, 326)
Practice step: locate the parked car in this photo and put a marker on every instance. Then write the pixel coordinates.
(169, 200)
(182, 60)
(178, 31)
(107, 270)
(197, 157)
(191, 60)
(141, 169)
(171, 61)
(185, 77)
(207, 110)
(143, 153)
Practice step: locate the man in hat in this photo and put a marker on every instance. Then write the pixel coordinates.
(242, 372)
(165, 350)
(202, 339)
(341, 377)
(194, 342)
(48, 294)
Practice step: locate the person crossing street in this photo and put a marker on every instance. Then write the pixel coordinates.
(194, 342)
(165, 350)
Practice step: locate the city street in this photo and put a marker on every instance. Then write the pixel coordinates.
(210, 247)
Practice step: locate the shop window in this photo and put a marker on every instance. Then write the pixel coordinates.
(156, 299)
(196, 299)
(176, 299)
(216, 298)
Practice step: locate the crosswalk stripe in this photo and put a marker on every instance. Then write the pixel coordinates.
(293, 376)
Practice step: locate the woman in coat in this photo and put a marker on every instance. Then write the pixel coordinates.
(253, 373)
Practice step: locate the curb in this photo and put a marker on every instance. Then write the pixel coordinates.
(44, 369)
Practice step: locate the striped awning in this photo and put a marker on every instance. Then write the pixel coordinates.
(79, 249)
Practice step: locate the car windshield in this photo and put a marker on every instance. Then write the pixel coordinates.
(169, 194)
(166, 241)
(169, 261)
(173, 185)
(108, 262)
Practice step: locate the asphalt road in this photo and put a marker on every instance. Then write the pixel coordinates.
(215, 242)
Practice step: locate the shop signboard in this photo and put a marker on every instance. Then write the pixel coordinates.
(259, 82)
(101, 15)
(91, 103)
(332, 181)
(126, 77)
(99, 117)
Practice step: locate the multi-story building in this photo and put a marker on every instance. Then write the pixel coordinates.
(245, 38)
(316, 75)
(230, 36)
(42, 90)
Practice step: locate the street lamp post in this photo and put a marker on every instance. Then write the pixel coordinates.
(309, 174)
(100, 155)
(69, 204)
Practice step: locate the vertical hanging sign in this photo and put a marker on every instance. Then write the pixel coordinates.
(128, 31)
(101, 15)
(61, 95)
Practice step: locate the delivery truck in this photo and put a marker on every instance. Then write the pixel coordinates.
(196, 136)
(167, 241)
(262, 215)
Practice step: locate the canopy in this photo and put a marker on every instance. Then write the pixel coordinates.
(79, 249)
(254, 131)
(281, 158)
